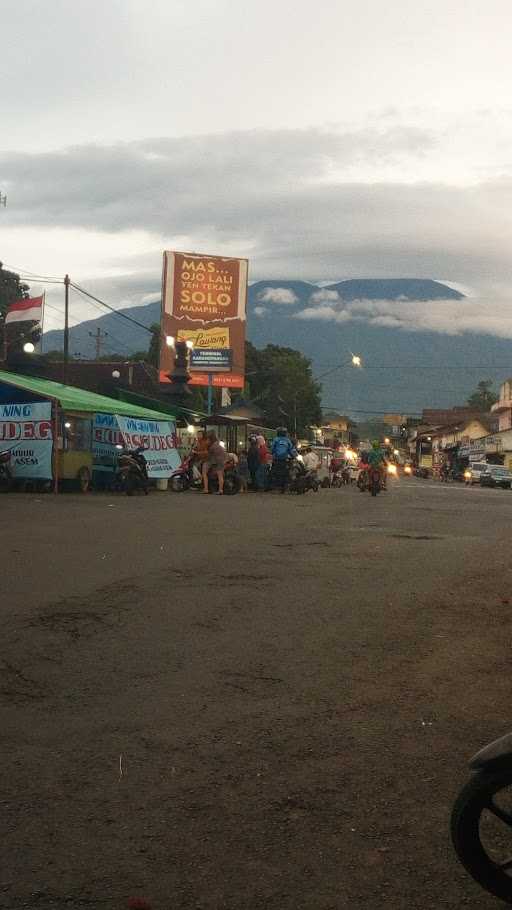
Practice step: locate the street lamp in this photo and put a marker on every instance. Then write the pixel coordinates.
(28, 347)
(169, 340)
(355, 361)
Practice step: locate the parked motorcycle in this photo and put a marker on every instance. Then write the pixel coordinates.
(231, 479)
(481, 822)
(6, 476)
(300, 480)
(131, 472)
(189, 477)
(186, 476)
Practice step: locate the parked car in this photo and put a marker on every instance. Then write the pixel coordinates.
(474, 472)
(496, 476)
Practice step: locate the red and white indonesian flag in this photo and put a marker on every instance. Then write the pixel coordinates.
(28, 310)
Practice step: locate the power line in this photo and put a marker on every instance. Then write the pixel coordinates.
(112, 310)
(114, 337)
(28, 273)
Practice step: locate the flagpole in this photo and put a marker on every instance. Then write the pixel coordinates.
(42, 323)
(66, 328)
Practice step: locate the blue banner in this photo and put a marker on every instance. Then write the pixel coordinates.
(157, 437)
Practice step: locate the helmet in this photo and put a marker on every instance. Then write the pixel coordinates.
(282, 431)
(375, 444)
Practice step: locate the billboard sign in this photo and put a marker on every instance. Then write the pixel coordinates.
(204, 300)
(26, 432)
(213, 360)
(158, 437)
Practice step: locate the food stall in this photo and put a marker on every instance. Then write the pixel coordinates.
(60, 436)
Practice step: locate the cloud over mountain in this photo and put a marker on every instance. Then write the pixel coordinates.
(278, 295)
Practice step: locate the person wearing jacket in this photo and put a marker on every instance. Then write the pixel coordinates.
(282, 450)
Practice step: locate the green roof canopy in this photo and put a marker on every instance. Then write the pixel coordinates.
(72, 399)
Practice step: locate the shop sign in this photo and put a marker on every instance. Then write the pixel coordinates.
(158, 437)
(493, 444)
(26, 432)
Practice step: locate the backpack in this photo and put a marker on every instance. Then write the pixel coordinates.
(281, 447)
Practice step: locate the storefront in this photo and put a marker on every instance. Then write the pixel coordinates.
(59, 435)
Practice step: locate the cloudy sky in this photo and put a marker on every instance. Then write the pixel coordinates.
(323, 141)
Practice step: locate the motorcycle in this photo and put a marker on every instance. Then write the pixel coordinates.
(346, 476)
(374, 481)
(231, 479)
(481, 819)
(300, 480)
(6, 477)
(131, 472)
(189, 477)
(362, 481)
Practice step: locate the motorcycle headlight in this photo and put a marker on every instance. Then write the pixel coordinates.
(391, 468)
(467, 475)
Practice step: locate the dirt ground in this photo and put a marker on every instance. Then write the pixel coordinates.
(247, 702)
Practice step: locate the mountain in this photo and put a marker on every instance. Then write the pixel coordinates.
(394, 289)
(404, 371)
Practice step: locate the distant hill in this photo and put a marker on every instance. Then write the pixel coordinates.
(403, 370)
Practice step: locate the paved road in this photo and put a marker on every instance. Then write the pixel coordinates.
(250, 702)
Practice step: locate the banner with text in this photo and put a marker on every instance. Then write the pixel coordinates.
(158, 437)
(26, 432)
(204, 300)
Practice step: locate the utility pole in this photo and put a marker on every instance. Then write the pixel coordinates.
(98, 336)
(3, 199)
(66, 328)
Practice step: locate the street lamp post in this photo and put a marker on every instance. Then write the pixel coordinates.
(355, 361)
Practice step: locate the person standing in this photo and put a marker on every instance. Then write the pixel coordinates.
(215, 460)
(282, 450)
(243, 471)
(200, 448)
(263, 460)
(253, 459)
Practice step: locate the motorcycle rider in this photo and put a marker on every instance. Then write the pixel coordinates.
(310, 459)
(282, 450)
(377, 460)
